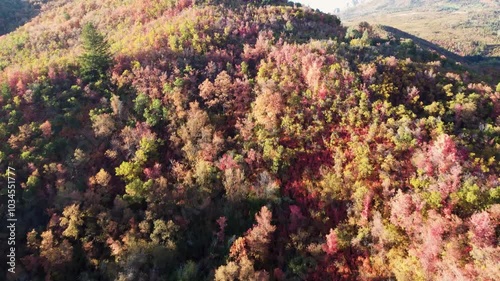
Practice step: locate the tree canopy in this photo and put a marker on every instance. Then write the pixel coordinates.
(243, 141)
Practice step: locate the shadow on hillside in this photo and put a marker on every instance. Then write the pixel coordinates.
(15, 13)
(431, 46)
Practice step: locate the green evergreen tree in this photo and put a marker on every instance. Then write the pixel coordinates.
(96, 58)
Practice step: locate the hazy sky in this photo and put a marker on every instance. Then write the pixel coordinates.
(323, 5)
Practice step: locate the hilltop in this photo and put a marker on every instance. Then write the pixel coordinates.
(242, 140)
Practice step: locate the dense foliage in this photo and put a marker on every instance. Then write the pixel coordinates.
(243, 140)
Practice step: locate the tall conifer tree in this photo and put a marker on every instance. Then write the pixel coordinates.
(96, 58)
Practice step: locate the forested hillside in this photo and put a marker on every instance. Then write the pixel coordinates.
(242, 140)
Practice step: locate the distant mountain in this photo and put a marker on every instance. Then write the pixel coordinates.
(464, 27)
(356, 3)
(369, 6)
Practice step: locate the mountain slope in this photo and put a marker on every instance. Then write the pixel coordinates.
(14, 13)
(131, 26)
(241, 140)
